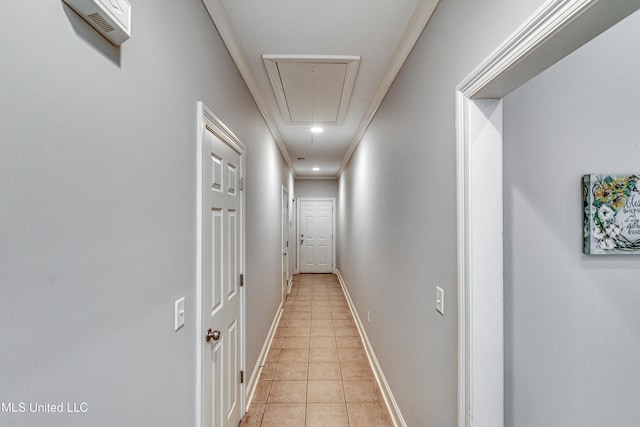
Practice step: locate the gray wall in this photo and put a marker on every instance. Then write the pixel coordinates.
(98, 208)
(571, 321)
(316, 188)
(397, 211)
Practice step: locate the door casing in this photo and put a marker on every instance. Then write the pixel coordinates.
(286, 243)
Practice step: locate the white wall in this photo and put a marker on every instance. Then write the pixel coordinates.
(397, 210)
(97, 208)
(571, 321)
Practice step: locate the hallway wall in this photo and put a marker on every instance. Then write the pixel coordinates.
(571, 320)
(316, 188)
(98, 210)
(397, 208)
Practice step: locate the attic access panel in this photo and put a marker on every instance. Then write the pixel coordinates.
(312, 88)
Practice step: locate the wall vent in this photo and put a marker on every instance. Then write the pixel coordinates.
(100, 22)
(111, 18)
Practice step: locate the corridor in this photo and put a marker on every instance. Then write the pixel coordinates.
(317, 372)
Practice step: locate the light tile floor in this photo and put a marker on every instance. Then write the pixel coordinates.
(317, 373)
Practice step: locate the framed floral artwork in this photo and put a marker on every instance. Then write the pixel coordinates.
(611, 214)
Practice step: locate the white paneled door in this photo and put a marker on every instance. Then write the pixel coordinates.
(221, 268)
(316, 236)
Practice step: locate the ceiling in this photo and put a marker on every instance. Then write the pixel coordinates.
(319, 63)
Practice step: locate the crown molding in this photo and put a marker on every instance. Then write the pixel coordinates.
(418, 21)
(555, 30)
(220, 19)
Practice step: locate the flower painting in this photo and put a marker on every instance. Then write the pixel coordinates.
(611, 214)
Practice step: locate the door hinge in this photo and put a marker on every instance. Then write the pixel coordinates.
(242, 280)
(241, 377)
(241, 184)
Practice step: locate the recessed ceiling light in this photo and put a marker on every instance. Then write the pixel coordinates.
(316, 169)
(316, 129)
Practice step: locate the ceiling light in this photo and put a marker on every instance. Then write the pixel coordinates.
(316, 169)
(316, 129)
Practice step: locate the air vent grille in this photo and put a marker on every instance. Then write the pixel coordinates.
(111, 18)
(100, 22)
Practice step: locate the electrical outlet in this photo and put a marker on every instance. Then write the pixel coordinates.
(179, 314)
(440, 300)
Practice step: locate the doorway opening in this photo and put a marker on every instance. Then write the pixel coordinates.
(556, 29)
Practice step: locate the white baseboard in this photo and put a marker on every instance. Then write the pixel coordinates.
(257, 370)
(389, 400)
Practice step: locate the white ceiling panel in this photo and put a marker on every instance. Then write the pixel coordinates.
(312, 89)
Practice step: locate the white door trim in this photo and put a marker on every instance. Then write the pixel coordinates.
(299, 201)
(294, 238)
(206, 119)
(285, 235)
(555, 30)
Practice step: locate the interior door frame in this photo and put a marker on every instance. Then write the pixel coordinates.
(299, 201)
(206, 119)
(555, 30)
(293, 236)
(285, 233)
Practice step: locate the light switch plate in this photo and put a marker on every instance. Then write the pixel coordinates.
(179, 313)
(440, 300)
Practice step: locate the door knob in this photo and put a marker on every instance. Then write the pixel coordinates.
(213, 335)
